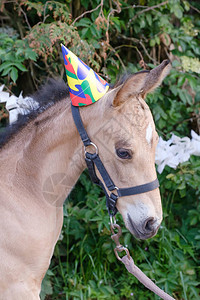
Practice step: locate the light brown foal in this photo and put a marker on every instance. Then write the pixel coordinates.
(48, 150)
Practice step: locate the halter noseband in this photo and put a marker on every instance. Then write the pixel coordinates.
(93, 159)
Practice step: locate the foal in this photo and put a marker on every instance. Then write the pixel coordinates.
(45, 149)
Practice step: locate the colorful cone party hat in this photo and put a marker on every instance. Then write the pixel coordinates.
(85, 86)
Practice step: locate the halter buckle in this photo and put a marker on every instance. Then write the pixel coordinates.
(95, 147)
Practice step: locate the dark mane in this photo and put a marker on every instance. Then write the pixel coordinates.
(49, 94)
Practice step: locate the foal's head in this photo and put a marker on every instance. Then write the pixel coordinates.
(125, 133)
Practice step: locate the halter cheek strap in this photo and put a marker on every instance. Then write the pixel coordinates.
(93, 159)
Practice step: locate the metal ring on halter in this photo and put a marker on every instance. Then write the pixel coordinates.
(95, 147)
(116, 188)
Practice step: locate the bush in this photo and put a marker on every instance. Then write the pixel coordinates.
(113, 37)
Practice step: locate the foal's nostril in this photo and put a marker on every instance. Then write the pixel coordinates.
(148, 224)
(143, 230)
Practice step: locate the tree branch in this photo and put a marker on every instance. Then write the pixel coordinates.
(26, 18)
(147, 9)
(141, 44)
(112, 11)
(131, 46)
(87, 12)
(194, 8)
(112, 49)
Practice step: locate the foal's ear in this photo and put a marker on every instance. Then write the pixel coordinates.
(141, 83)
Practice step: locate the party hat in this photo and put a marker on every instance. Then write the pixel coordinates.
(85, 86)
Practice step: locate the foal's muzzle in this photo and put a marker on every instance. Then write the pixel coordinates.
(143, 230)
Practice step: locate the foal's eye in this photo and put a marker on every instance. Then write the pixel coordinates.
(124, 153)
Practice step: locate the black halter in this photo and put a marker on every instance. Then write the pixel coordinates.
(93, 159)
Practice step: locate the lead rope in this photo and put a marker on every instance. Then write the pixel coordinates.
(130, 265)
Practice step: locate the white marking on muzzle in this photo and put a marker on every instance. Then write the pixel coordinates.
(149, 132)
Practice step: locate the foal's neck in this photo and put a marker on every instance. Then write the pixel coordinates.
(45, 159)
(49, 158)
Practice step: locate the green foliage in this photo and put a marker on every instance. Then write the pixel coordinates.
(114, 38)
(3, 116)
(14, 54)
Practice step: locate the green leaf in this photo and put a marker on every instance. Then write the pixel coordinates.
(85, 3)
(186, 5)
(194, 221)
(149, 19)
(157, 40)
(14, 74)
(142, 23)
(178, 11)
(136, 28)
(185, 97)
(109, 289)
(20, 66)
(84, 23)
(46, 288)
(197, 97)
(95, 43)
(94, 31)
(174, 90)
(30, 54)
(181, 80)
(152, 42)
(6, 71)
(5, 65)
(192, 81)
(84, 32)
(175, 63)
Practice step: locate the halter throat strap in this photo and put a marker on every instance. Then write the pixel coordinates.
(93, 159)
